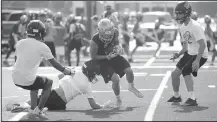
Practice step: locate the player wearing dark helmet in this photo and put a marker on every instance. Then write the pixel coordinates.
(72, 86)
(30, 52)
(195, 53)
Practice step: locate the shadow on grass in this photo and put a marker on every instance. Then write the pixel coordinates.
(101, 113)
(188, 109)
(33, 118)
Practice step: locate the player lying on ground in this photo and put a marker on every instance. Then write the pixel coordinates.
(106, 50)
(72, 86)
(195, 53)
(30, 52)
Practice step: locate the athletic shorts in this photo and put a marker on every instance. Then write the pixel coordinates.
(114, 65)
(73, 44)
(185, 64)
(40, 83)
(54, 102)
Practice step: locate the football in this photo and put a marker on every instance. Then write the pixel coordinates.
(114, 49)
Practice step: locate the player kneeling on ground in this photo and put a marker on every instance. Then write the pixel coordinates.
(72, 86)
(30, 52)
(106, 50)
(195, 53)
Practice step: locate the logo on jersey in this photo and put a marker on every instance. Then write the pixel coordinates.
(187, 36)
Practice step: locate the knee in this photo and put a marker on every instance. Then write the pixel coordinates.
(129, 71)
(175, 74)
(49, 83)
(115, 78)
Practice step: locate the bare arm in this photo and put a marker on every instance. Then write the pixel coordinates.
(93, 52)
(93, 104)
(59, 67)
(201, 49)
(184, 48)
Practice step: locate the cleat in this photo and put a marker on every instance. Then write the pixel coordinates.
(190, 102)
(136, 92)
(174, 99)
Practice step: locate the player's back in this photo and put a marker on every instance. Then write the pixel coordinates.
(76, 85)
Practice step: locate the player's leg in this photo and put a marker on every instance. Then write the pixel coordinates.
(214, 54)
(109, 74)
(69, 48)
(122, 67)
(189, 82)
(158, 48)
(78, 48)
(175, 76)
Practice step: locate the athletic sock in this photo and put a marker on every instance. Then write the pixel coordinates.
(176, 94)
(191, 93)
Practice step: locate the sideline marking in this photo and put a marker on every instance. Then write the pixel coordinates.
(150, 112)
(151, 60)
(18, 116)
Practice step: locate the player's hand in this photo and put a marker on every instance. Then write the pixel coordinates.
(69, 71)
(195, 66)
(73, 71)
(109, 104)
(111, 55)
(174, 56)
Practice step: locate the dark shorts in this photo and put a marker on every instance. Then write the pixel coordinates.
(73, 44)
(185, 64)
(126, 40)
(138, 42)
(52, 47)
(54, 102)
(114, 65)
(40, 83)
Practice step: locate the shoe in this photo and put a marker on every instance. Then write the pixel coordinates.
(130, 60)
(136, 92)
(39, 112)
(174, 99)
(190, 102)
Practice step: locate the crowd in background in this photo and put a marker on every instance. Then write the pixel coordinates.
(74, 35)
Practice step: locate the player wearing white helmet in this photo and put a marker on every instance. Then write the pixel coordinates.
(195, 53)
(30, 52)
(105, 48)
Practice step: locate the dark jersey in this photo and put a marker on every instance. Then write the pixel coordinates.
(102, 48)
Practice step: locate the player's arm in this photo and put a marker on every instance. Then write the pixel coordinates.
(46, 53)
(184, 48)
(198, 34)
(94, 104)
(93, 52)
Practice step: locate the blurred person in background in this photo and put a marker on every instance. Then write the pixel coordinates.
(138, 35)
(58, 17)
(86, 42)
(158, 34)
(108, 11)
(95, 19)
(76, 35)
(18, 33)
(210, 38)
(126, 36)
(194, 15)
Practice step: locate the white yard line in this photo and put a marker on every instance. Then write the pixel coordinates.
(150, 112)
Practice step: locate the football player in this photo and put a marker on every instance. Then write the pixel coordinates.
(113, 66)
(71, 86)
(30, 52)
(195, 53)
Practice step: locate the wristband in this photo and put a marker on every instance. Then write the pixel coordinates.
(66, 71)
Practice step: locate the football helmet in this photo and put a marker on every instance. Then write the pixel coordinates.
(126, 16)
(194, 15)
(182, 12)
(36, 28)
(207, 19)
(91, 68)
(106, 30)
(139, 16)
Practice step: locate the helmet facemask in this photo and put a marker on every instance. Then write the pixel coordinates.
(106, 31)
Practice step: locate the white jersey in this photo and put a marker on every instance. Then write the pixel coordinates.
(76, 85)
(29, 54)
(192, 33)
